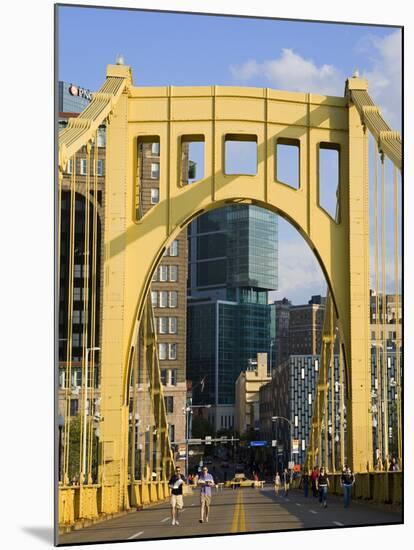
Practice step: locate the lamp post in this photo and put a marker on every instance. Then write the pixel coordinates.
(274, 419)
(188, 413)
(85, 396)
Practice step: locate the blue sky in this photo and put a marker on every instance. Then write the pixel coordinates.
(186, 49)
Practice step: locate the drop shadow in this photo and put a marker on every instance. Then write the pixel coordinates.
(44, 534)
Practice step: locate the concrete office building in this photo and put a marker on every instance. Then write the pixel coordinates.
(248, 384)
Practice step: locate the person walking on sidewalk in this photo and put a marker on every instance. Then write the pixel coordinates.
(206, 482)
(277, 483)
(305, 483)
(314, 481)
(323, 484)
(176, 485)
(286, 481)
(347, 480)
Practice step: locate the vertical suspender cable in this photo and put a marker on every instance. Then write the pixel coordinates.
(341, 406)
(69, 321)
(397, 320)
(384, 313)
(377, 313)
(92, 324)
(332, 388)
(85, 313)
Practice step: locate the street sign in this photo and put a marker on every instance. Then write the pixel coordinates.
(291, 465)
(295, 446)
(274, 442)
(195, 441)
(280, 449)
(208, 440)
(258, 443)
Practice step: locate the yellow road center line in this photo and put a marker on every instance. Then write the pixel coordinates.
(242, 527)
(236, 515)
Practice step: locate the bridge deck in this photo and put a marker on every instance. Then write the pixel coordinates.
(241, 511)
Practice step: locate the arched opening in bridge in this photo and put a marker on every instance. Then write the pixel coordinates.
(220, 308)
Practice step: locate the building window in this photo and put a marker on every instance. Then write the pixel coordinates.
(162, 351)
(154, 298)
(163, 273)
(76, 378)
(101, 137)
(174, 248)
(163, 298)
(302, 374)
(169, 404)
(171, 432)
(155, 276)
(76, 317)
(310, 399)
(172, 329)
(74, 406)
(172, 352)
(155, 170)
(296, 421)
(155, 195)
(100, 167)
(62, 378)
(172, 298)
(303, 445)
(163, 325)
(69, 166)
(169, 377)
(173, 273)
(155, 148)
(83, 167)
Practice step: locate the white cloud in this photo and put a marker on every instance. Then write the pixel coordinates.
(291, 71)
(381, 58)
(300, 275)
(384, 74)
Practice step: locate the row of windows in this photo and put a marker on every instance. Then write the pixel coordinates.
(167, 351)
(166, 273)
(164, 298)
(227, 421)
(98, 167)
(167, 325)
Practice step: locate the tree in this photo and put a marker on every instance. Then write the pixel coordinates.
(74, 465)
(201, 427)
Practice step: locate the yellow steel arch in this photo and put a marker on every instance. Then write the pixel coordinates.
(133, 247)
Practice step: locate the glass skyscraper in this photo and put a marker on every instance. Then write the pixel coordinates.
(232, 266)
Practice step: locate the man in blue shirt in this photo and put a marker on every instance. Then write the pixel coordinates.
(206, 482)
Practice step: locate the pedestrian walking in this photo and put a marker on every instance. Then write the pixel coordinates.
(176, 484)
(347, 480)
(206, 482)
(277, 482)
(314, 480)
(323, 484)
(286, 481)
(305, 484)
(394, 465)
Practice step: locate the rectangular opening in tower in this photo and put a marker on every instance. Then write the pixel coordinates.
(328, 172)
(240, 154)
(287, 162)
